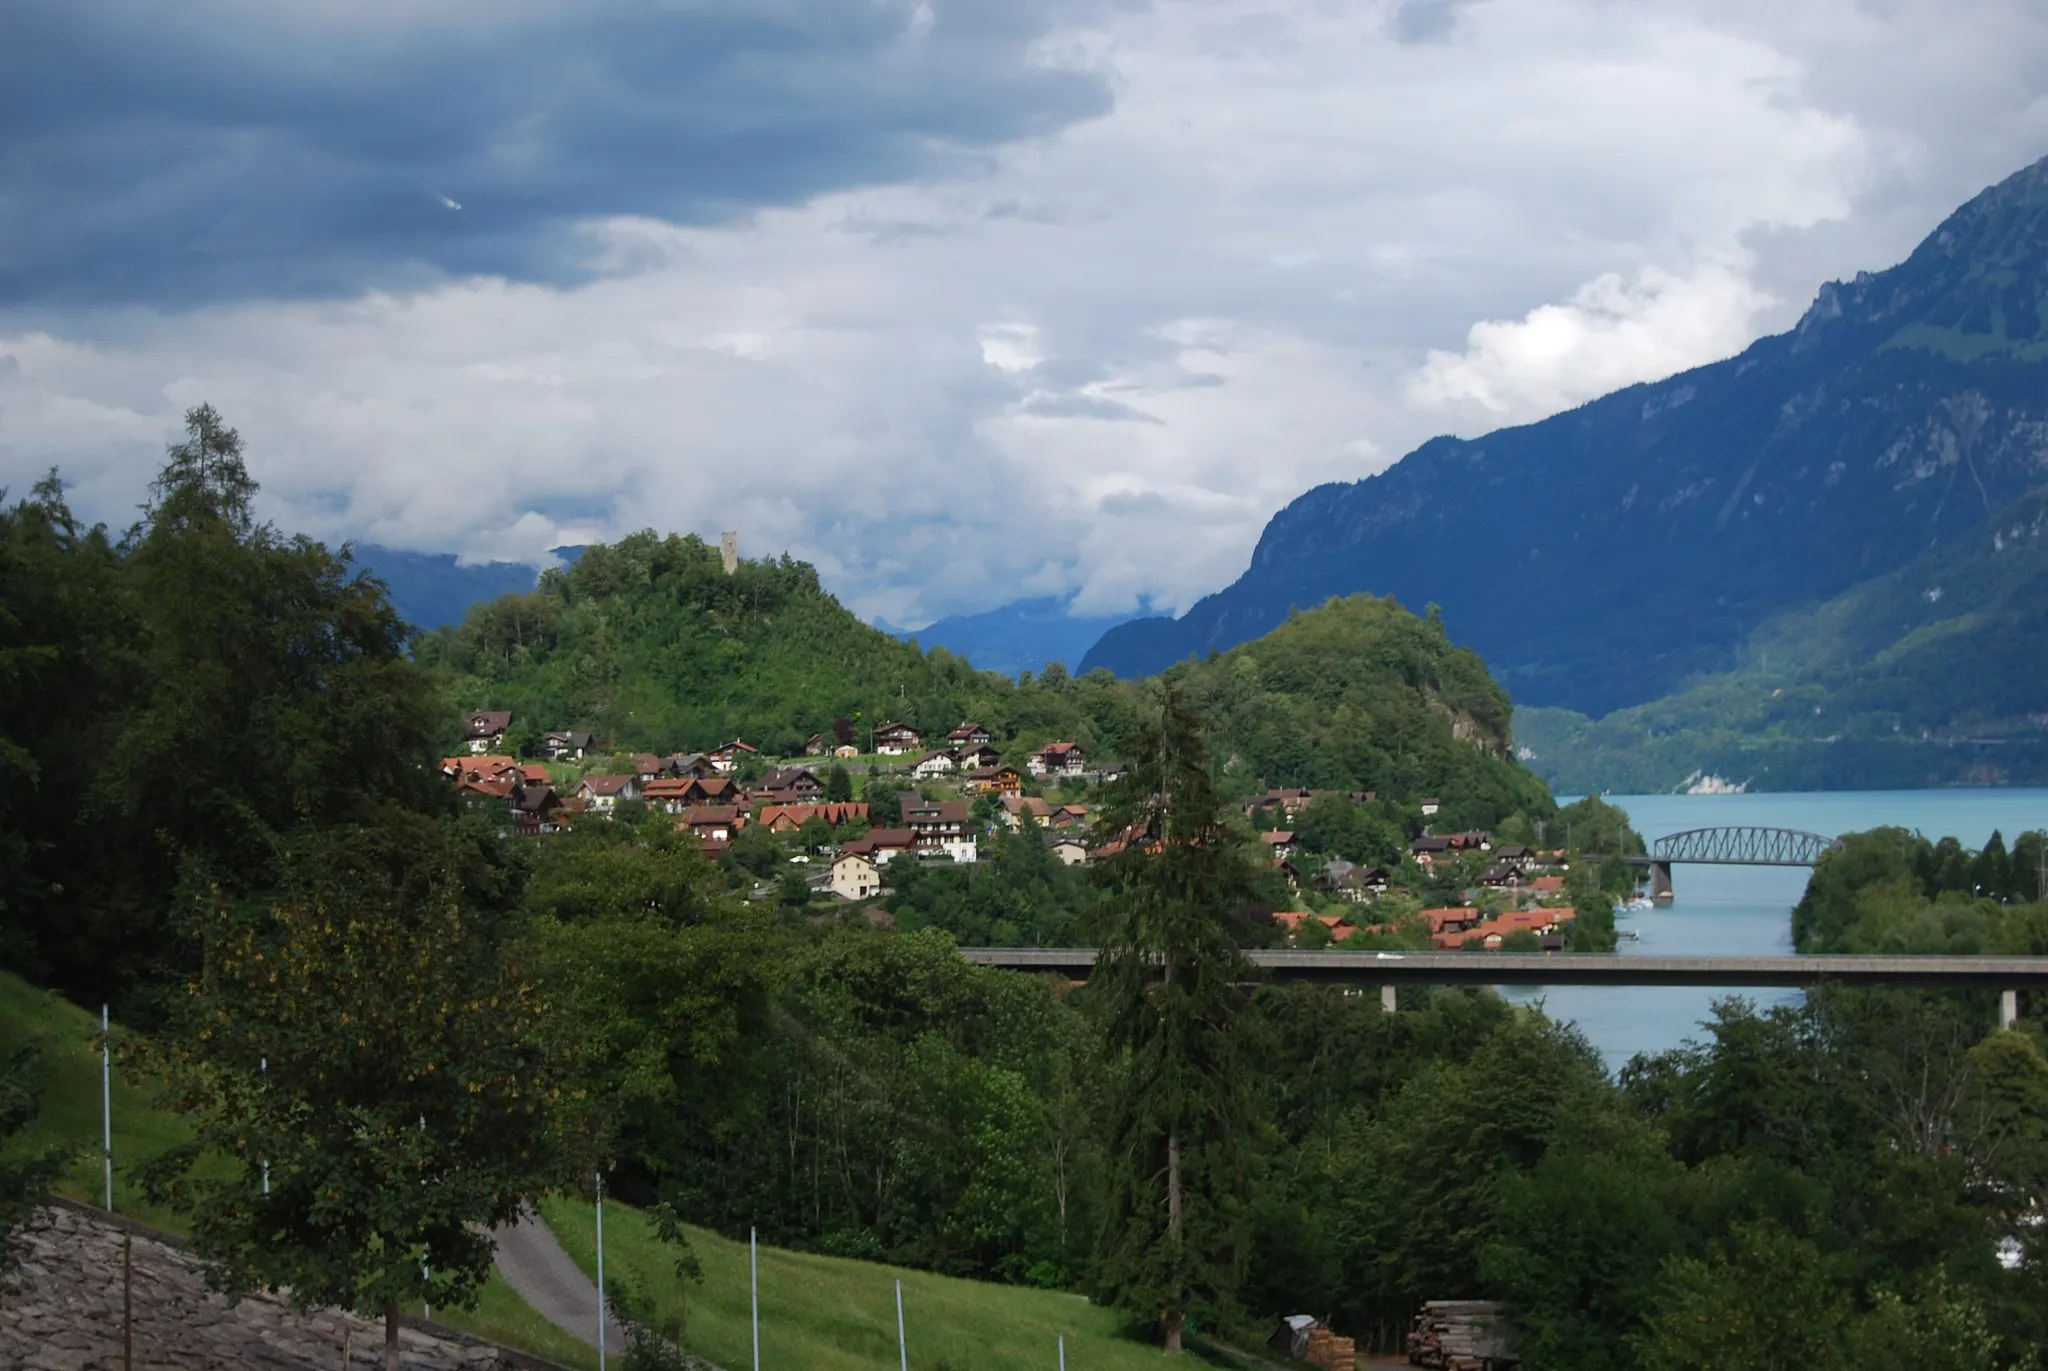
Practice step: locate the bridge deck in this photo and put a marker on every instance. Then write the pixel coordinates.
(1497, 968)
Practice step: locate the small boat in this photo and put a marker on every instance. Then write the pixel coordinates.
(1639, 905)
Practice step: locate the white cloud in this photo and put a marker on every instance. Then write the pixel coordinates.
(1610, 333)
(1101, 360)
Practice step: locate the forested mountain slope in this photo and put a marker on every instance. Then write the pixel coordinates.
(1930, 675)
(1604, 556)
(650, 644)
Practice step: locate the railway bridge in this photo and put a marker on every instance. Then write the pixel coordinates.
(1731, 846)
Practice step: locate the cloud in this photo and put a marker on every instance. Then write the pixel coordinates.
(956, 333)
(1611, 333)
(225, 150)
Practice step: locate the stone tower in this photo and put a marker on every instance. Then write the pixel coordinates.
(729, 550)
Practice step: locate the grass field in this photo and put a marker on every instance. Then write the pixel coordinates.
(70, 1112)
(831, 1314)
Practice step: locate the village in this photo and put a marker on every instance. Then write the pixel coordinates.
(942, 803)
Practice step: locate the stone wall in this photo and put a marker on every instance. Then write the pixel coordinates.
(61, 1311)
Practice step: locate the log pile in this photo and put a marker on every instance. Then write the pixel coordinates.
(1328, 1352)
(1461, 1335)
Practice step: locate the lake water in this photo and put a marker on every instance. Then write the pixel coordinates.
(1747, 910)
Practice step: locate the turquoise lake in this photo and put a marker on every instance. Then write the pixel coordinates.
(1741, 910)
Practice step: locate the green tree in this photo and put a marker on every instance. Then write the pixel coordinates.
(1765, 1300)
(1170, 977)
(838, 784)
(387, 1079)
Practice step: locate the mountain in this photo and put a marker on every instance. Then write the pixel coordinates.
(1605, 556)
(1929, 675)
(650, 644)
(1017, 637)
(430, 589)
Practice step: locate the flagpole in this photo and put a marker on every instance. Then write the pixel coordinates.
(754, 1282)
(107, 1105)
(902, 1347)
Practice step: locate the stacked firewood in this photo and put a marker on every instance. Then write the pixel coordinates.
(1328, 1352)
(1460, 1335)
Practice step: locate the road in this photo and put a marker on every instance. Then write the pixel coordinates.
(534, 1264)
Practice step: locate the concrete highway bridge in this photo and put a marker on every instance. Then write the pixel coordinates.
(1732, 846)
(1390, 970)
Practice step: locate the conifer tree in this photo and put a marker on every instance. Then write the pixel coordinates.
(1172, 981)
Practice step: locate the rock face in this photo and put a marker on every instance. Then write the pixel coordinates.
(1603, 556)
(61, 1311)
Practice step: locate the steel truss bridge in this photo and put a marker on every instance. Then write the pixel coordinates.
(1740, 847)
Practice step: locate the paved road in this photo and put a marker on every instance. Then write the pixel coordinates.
(534, 1264)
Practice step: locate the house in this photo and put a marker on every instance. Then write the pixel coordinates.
(1289, 800)
(688, 764)
(672, 794)
(603, 793)
(1280, 841)
(726, 760)
(846, 750)
(975, 756)
(1068, 849)
(1070, 816)
(717, 822)
(786, 784)
(484, 768)
(940, 826)
(483, 730)
(932, 765)
(535, 773)
(881, 845)
(710, 790)
(1430, 850)
(1501, 876)
(897, 740)
(1292, 920)
(969, 735)
(1354, 882)
(1058, 759)
(1429, 807)
(1016, 807)
(1515, 855)
(1450, 920)
(647, 766)
(789, 818)
(1547, 887)
(564, 745)
(535, 808)
(815, 745)
(854, 876)
(995, 780)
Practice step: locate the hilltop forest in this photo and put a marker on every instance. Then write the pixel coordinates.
(649, 643)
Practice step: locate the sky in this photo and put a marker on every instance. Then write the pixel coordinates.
(963, 302)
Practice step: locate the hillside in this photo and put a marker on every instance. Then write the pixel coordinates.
(1929, 675)
(650, 644)
(1604, 557)
(431, 589)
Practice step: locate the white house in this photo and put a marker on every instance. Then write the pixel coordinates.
(897, 740)
(1058, 759)
(1070, 851)
(854, 877)
(601, 794)
(933, 764)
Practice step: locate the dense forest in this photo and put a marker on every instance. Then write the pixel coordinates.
(227, 816)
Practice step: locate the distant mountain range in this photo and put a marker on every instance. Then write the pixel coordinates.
(1021, 636)
(430, 589)
(1930, 675)
(1618, 553)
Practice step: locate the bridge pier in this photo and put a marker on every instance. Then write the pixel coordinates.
(2008, 1008)
(1660, 880)
(1389, 1001)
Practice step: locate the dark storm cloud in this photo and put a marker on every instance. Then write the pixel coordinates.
(222, 149)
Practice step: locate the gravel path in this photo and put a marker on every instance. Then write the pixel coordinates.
(534, 1264)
